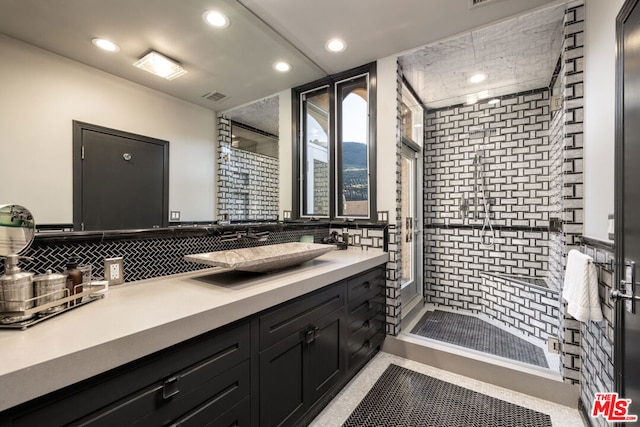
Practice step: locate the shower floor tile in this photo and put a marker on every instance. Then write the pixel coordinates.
(402, 397)
(471, 332)
(412, 396)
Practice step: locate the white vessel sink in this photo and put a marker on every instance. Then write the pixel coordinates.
(262, 258)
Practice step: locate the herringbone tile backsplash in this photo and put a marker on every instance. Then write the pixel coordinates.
(145, 258)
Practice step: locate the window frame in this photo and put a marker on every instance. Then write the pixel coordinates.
(298, 169)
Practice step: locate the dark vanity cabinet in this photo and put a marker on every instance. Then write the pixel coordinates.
(205, 378)
(310, 347)
(276, 368)
(365, 313)
(301, 354)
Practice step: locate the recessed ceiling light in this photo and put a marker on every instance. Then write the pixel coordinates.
(216, 19)
(105, 44)
(282, 66)
(335, 45)
(477, 78)
(160, 65)
(494, 101)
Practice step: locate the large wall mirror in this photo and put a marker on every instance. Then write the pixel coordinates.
(53, 75)
(248, 162)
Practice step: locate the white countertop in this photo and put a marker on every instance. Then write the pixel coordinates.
(140, 318)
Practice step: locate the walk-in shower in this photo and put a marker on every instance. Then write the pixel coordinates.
(493, 171)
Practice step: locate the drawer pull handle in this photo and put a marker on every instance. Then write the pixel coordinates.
(308, 336)
(367, 344)
(366, 284)
(170, 388)
(366, 324)
(311, 334)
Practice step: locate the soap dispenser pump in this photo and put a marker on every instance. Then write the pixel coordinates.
(16, 290)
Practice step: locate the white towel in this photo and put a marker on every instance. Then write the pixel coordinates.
(581, 288)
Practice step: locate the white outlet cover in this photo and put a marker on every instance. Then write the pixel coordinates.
(114, 272)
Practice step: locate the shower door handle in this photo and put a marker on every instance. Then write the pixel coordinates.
(627, 291)
(616, 295)
(409, 223)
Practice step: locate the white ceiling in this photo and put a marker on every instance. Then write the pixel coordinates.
(238, 61)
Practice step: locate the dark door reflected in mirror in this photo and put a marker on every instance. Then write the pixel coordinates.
(121, 180)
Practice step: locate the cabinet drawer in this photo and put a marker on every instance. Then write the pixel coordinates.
(295, 315)
(156, 406)
(361, 349)
(238, 416)
(360, 337)
(364, 286)
(367, 309)
(140, 382)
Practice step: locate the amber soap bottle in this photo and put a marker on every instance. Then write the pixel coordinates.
(74, 278)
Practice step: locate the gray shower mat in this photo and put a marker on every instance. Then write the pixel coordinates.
(471, 332)
(402, 397)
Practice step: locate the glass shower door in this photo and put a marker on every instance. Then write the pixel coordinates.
(408, 247)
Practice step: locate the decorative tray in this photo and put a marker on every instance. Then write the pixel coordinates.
(41, 312)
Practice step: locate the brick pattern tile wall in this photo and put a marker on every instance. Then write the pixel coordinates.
(321, 188)
(515, 166)
(366, 238)
(247, 185)
(512, 140)
(394, 266)
(597, 370)
(533, 310)
(571, 89)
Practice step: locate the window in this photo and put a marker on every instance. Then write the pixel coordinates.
(335, 146)
(315, 152)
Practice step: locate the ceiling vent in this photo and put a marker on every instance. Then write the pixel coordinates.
(214, 96)
(474, 3)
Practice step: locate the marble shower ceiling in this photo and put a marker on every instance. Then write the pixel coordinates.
(262, 114)
(517, 54)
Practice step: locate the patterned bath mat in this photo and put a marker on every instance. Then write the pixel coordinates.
(402, 397)
(471, 332)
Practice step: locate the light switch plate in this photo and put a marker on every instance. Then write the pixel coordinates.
(114, 270)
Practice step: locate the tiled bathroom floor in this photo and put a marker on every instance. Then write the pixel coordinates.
(480, 335)
(347, 401)
(471, 332)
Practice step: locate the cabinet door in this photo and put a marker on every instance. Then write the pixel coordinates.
(282, 381)
(300, 369)
(326, 355)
